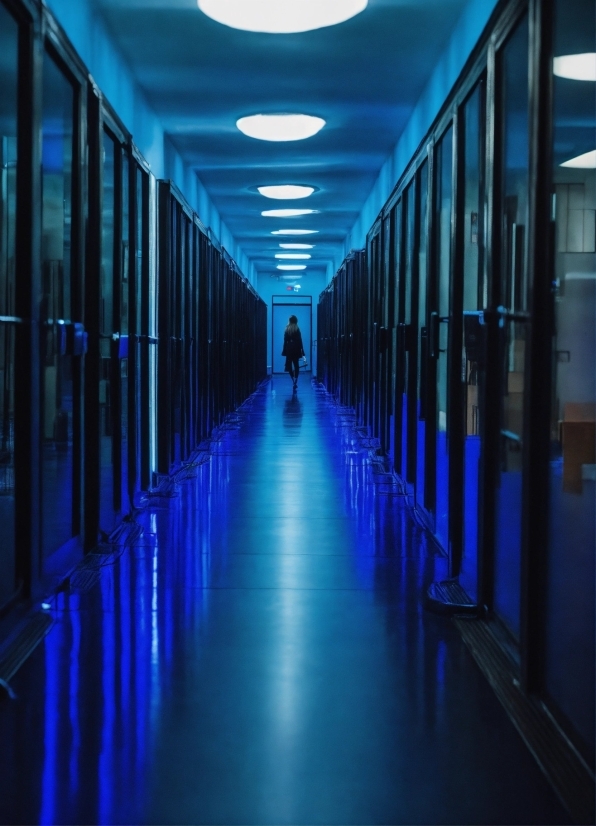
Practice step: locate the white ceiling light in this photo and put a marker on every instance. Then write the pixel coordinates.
(286, 192)
(296, 256)
(280, 127)
(291, 267)
(288, 277)
(286, 213)
(281, 16)
(296, 246)
(576, 66)
(294, 231)
(585, 161)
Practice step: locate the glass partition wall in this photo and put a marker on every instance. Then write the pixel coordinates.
(9, 36)
(499, 285)
(569, 634)
(510, 296)
(438, 469)
(59, 521)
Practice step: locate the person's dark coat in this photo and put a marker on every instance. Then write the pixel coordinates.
(293, 348)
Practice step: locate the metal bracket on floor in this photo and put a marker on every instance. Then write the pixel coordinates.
(20, 645)
(448, 597)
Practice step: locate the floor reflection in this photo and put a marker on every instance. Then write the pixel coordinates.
(262, 656)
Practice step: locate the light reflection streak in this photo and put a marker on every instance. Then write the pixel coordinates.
(51, 721)
(74, 705)
(106, 785)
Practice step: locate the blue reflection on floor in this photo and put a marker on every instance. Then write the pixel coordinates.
(261, 656)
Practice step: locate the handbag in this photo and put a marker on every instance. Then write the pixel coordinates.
(303, 362)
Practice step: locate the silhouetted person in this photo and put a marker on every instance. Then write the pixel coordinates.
(293, 349)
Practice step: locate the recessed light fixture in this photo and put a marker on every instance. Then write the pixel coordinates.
(286, 192)
(280, 127)
(294, 232)
(288, 277)
(295, 256)
(291, 267)
(576, 66)
(286, 213)
(281, 16)
(297, 246)
(585, 161)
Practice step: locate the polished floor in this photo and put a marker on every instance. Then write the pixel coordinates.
(262, 656)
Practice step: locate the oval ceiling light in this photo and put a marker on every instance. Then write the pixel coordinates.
(585, 161)
(286, 192)
(295, 256)
(294, 231)
(291, 267)
(280, 127)
(297, 246)
(576, 66)
(281, 16)
(286, 213)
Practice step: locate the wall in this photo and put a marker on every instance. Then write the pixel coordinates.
(465, 36)
(93, 42)
(267, 287)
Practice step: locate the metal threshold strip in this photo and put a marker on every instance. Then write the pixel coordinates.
(564, 768)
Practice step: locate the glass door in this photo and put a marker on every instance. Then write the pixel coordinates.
(59, 521)
(439, 334)
(9, 36)
(144, 339)
(397, 383)
(390, 325)
(569, 639)
(109, 385)
(123, 334)
(473, 376)
(114, 320)
(511, 299)
(407, 344)
(422, 334)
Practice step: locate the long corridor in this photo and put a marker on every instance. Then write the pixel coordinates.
(261, 655)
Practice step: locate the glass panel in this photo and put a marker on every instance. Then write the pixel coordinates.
(473, 329)
(570, 588)
(57, 384)
(513, 296)
(422, 333)
(107, 329)
(141, 380)
(8, 197)
(443, 269)
(124, 339)
(408, 444)
(397, 366)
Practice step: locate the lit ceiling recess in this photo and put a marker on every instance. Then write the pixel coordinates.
(297, 246)
(295, 256)
(576, 66)
(281, 16)
(294, 231)
(286, 192)
(585, 161)
(291, 267)
(286, 213)
(280, 127)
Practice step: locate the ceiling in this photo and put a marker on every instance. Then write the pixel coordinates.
(363, 77)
